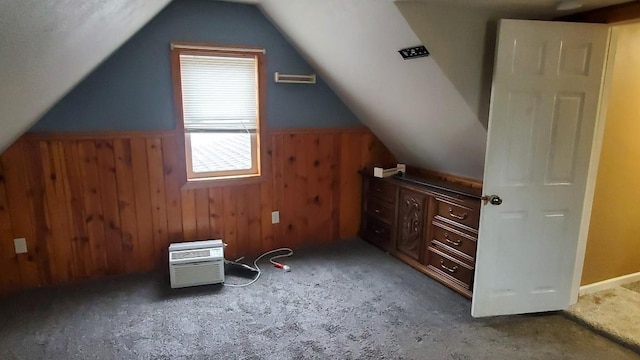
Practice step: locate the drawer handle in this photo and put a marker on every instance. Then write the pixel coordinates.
(377, 211)
(449, 269)
(378, 189)
(456, 216)
(454, 243)
(378, 231)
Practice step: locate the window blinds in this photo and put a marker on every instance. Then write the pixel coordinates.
(219, 93)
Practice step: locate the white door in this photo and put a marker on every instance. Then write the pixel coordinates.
(544, 104)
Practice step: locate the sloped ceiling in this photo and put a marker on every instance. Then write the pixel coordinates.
(426, 116)
(48, 46)
(461, 37)
(409, 104)
(425, 119)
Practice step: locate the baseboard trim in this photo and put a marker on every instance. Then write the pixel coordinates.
(609, 283)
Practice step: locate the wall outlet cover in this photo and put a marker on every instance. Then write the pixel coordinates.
(20, 244)
(275, 217)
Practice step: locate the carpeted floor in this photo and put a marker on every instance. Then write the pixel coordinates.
(613, 312)
(350, 301)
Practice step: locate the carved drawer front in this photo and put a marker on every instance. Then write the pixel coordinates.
(411, 221)
(450, 267)
(377, 232)
(454, 239)
(382, 190)
(380, 210)
(457, 213)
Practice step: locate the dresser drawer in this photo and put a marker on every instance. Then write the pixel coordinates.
(450, 267)
(377, 232)
(382, 189)
(454, 239)
(380, 210)
(458, 213)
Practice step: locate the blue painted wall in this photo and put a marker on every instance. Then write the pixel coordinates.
(132, 89)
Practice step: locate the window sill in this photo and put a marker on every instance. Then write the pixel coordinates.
(223, 181)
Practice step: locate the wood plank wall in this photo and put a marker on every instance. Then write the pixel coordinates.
(618, 13)
(92, 205)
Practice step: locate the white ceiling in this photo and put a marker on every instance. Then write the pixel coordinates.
(409, 105)
(48, 46)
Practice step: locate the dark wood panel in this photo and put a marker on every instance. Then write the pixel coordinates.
(59, 236)
(611, 14)
(11, 278)
(140, 164)
(110, 203)
(126, 205)
(15, 182)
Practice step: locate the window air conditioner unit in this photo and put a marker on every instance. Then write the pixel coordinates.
(196, 263)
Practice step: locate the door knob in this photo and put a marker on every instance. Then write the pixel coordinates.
(493, 199)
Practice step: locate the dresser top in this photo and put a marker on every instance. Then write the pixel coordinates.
(436, 184)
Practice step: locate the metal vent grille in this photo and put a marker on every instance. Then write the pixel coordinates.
(198, 273)
(191, 254)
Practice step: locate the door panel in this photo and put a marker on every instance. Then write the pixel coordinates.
(544, 103)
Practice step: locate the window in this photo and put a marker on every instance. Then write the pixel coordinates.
(218, 103)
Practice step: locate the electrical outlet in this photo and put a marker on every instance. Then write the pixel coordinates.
(20, 244)
(275, 217)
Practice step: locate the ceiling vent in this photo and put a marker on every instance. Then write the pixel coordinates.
(414, 52)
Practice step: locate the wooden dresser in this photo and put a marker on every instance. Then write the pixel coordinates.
(430, 224)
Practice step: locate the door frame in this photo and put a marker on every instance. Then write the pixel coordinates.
(596, 151)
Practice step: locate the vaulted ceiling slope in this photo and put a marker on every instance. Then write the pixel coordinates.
(409, 104)
(48, 46)
(426, 117)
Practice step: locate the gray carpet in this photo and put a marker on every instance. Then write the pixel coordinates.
(345, 302)
(612, 312)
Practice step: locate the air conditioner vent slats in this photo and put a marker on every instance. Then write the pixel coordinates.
(196, 263)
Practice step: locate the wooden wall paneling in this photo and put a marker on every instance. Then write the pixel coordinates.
(266, 198)
(229, 219)
(300, 198)
(276, 191)
(350, 184)
(171, 164)
(17, 193)
(94, 216)
(142, 197)
(110, 206)
(10, 274)
(322, 200)
(254, 220)
(59, 241)
(309, 144)
(76, 211)
(127, 206)
(102, 204)
(335, 186)
(36, 191)
(266, 205)
(216, 212)
(189, 225)
(618, 13)
(240, 200)
(158, 201)
(290, 194)
(202, 213)
(374, 152)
